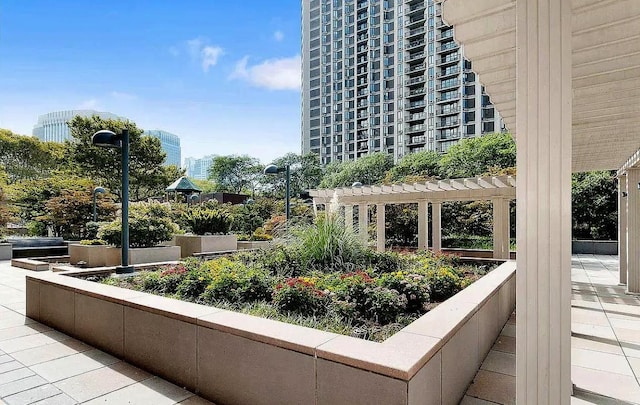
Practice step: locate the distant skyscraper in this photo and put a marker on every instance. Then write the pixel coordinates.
(198, 168)
(385, 75)
(170, 145)
(52, 127)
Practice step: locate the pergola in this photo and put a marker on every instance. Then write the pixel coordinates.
(499, 189)
(565, 76)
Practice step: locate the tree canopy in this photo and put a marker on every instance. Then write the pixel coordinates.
(476, 156)
(370, 169)
(235, 173)
(26, 157)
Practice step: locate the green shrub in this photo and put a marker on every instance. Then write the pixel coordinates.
(92, 242)
(206, 219)
(193, 284)
(413, 286)
(169, 279)
(327, 245)
(233, 281)
(383, 305)
(91, 230)
(383, 262)
(279, 260)
(36, 228)
(443, 282)
(300, 295)
(149, 224)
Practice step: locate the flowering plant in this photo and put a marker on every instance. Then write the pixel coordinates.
(300, 294)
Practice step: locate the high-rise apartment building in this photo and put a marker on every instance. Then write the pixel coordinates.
(386, 75)
(198, 168)
(52, 127)
(170, 145)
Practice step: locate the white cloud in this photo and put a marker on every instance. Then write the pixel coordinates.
(272, 74)
(210, 55)
(122, 95)
(278, 35)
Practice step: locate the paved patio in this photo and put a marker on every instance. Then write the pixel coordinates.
(39, 365)
(605, 342)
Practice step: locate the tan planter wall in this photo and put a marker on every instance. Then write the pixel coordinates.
(94, 256)
(191, 244)
(229, 357)
(258, 244)
(113, 255)
(6, 252)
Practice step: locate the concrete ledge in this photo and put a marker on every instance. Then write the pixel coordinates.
(30, 264)
(596, 247)
(230, 357)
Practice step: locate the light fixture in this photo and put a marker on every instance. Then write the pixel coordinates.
(273, 169)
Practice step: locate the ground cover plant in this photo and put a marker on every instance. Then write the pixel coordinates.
(322, 276)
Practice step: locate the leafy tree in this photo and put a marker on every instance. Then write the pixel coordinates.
(594, 205)
(424, 164)
(306, 173)
(476, 156)
(235, 173)
(26, 157)
(147, 175)
(206, 186)
(370, 169)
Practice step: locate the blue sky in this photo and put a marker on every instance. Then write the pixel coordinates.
(223, 75)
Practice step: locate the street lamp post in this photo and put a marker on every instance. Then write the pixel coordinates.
(95, 192)
(108, 139)
(273, 169)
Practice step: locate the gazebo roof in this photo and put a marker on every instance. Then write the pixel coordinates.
(183, 185)
(469, 189)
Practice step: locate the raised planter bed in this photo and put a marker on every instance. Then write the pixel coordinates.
(253, 244)
(6, 251)
(92, 255)
(229, 357)
(596, 247)
(191, 244)
(113, 255)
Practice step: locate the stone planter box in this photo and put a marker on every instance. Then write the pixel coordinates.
(253, 244)
(93, 255)
(191, 244)
(113, 255)
(596, 247)
(6, 251)
(234, 358)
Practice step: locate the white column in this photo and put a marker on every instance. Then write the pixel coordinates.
(500, 228)
(633, 231)
(380, 227)
(423, 225)
(622, 227)
(543, 127)
(315, 208)
(363, 222)
(436, 225)
(348, 217)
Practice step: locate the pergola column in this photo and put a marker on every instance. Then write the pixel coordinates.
(436, 225)
(543, 128)
(633, 231)
(380, 227)
(501, 227)
(348, 217)
(423, 225)
(363, 222)
(622, 227)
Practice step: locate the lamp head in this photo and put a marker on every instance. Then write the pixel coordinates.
(98, 190)
(356, 184)
(248, 201)
(106, 139)
(272, 169)
(194, 197)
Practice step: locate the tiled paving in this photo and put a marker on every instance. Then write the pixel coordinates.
(605, 342)
(39, 365)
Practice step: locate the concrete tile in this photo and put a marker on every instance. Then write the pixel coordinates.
(627, 335)
(21, 385)
(603, 332)
(494, 387)
(509, 330)
(612, 385)
(9, 366)
(31, 341)
(233, 369)
(5, 358)
(11, 319)
(631, 324)
(596, 345)
(340, 384)
(500, 362)
(19, 307)
(612, 363)
(99, 382)
(467, 400)
(49, 352)
(631, 349)
(505, 344)
(586, 398)
(65, 367)
(22, 330)
(60, 399)
(589, 317)
(635, 366)
(164, 346)
(32, 395)
(152, 391)
(15, 375)
(196, 400)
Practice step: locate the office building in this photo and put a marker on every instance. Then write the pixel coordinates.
(385, 75)
(52, 127)
(170, 145)
(198, 168)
